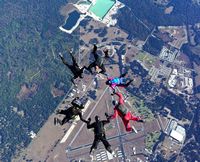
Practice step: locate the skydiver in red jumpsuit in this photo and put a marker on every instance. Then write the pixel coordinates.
(125, 115)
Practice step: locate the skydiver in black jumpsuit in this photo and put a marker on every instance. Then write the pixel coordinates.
(75, 69)
(71, 112)
(98, 61)
(99, 133)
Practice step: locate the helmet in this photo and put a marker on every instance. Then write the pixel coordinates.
(97, 118)
(114, 102)
(108, 82)
(82, 106)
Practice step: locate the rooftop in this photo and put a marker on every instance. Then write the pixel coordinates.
(176, 135)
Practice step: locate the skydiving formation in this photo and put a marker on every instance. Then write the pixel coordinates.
(78, 104)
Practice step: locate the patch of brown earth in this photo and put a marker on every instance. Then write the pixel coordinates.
(26, 91)
(65, 10)
(56, 92)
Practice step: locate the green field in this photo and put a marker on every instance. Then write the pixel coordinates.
(151, 139)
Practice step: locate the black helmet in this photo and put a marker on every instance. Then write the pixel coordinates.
(97, 118)
(82, 106)
(108, 82)
(114, 102)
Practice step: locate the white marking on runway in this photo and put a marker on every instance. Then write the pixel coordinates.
(73, 125)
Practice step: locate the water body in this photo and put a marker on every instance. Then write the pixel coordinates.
(71, 20)
(102, 7)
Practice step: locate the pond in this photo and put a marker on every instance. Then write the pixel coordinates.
(71, 20)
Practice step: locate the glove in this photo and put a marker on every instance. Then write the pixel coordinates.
(61, 56)
(108, 116)
(114, 92)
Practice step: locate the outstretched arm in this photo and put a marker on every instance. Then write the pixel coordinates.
(123, 75)
(89, 126)
(107, 119)
(95, 52)
(81, 117)
(115, 114)
(113, 86)
(120, 100)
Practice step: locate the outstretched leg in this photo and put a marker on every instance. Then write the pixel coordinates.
(94, 145)
(103, 69)
(72, 80)
(94, 49)
(89, 68)
(128, 83)
(73, 60)
(64, 61)
(123, 75)
(127, 125)
(106, 143)
(61, 122)
(64, 112)
(129, 116)
(71, 67)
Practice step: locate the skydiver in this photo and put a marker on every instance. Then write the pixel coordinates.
(71, 112)
(98, 62)
(119, 81)
(75, 69)
(99, 133)
(125, 115)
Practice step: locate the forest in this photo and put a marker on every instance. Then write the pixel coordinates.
(29, 66)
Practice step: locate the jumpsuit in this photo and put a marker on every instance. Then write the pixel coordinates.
(98, 62)
(125, 115)
(99, 134)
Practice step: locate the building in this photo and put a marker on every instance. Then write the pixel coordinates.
(180, 81)
(178, 134)
(173, 140)
(168, 54)
(159, 73)
(176, 131)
